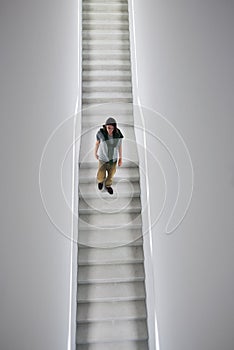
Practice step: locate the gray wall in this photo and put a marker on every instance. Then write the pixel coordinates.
(185, 53)
(38, 70)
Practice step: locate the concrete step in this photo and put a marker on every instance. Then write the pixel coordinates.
(103, 16)
(106, 65)
(105, 1)
(119, 205)
(102, 34)
(101, 95)
(110, 273)
(111, 45)
(105, 25)
(109, 221)
(105, 331)
(115, 75)
(109, 109)
(112, 238)
(111, 7)
(94, 101)
(103, 55)
(123, 190)
(110, 256)
(106, 86)
(119, 345)
(126, 291)
(110, 310)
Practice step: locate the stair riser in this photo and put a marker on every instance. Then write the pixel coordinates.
(100, 242)
(105, 7)
(106, 67)
(107, 89)
(104, 25)
(95, 35)
(111, 77)
(111, 46)
(103, 16)
(105, 100)
(105, 55)
(102, 95)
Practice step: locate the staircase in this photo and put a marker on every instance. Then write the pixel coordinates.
(111, 306)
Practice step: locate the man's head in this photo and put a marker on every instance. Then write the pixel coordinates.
(110, 125)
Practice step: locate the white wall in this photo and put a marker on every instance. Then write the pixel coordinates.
(38, 70)
(185, 53)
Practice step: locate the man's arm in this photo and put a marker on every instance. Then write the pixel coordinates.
(96, 148)
(120, 162)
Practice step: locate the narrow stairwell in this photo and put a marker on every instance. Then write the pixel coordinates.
(111, 299)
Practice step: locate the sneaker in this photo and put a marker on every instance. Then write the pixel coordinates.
(100, 185)
(109, 189)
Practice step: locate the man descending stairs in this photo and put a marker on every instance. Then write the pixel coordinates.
(111, 307)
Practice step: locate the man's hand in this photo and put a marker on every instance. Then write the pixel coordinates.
(96, 156)
(120, 162)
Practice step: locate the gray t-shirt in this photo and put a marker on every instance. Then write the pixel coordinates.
(108, 149)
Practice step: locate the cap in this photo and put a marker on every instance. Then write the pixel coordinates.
(111, 121)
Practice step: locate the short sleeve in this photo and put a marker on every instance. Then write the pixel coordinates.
(98, 136)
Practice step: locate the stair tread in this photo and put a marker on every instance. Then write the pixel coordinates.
(105, 74)
(123, 189)
(91, 64)
(93, 254)
(112, 331)
(111, 273)
(105, 1)
(104, 31)
(105, 53)
(110, 300)
(124, 292)
(104, 83)
(98, 94)
(120, 345)
(123, 204)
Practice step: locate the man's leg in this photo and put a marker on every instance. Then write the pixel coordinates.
(101, 173)
(111, 170)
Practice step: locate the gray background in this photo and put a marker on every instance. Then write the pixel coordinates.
(185, 62)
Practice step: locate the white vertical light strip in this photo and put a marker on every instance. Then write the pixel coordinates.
(71, 343)
(133, 44)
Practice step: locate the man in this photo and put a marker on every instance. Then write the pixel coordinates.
(108, 151)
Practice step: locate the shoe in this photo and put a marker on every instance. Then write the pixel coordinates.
(100, 185)
(109, 189)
